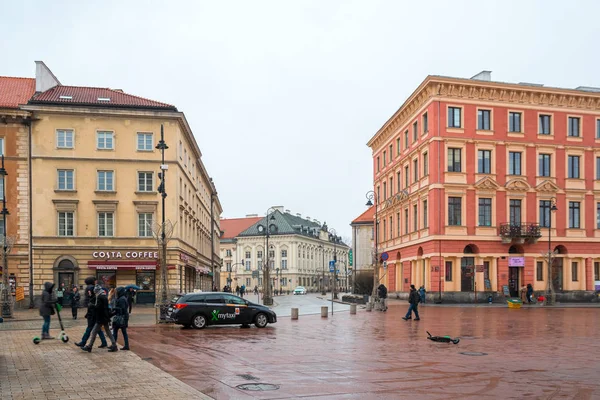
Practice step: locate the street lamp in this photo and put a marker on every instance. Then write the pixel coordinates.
(231, 267)
(323, 293)
(551, 294)
(162, 189)
(334, 294)
(267, 296)
(6, 291)
(372, 197)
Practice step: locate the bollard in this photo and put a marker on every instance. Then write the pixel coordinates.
(294, 313)
(352, 308)
(324, 310)
(369, 306)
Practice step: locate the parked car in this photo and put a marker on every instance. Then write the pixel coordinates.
(300, 290)
(214, 308)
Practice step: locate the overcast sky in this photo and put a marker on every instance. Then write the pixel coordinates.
(283, 95)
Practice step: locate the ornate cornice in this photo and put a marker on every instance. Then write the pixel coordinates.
(517, 185)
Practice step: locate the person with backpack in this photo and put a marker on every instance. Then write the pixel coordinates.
(121, 318)
(102, 319)
(242, 291)
(382, 294)
(413, 301)
(90, 315)
(47, 309)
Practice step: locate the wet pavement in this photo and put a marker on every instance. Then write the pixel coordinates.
(531, 353)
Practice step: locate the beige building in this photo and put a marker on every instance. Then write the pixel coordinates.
(363, 244)
(94, 169)
(230, 261)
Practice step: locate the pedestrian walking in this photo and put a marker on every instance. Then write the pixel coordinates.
(130, 298)
(382, 293)
(121, 318)
(90, 315)
(422, 294)
(242, 291)
(237, 290)
(529, 293)
(75, 298)
(47, 309)
(112, 299)
(102, 319)
(60, 292)
(256, 290)
(413, 301)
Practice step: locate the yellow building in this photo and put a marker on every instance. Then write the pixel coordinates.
(94, 169)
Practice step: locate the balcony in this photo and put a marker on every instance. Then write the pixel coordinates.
(519, 233)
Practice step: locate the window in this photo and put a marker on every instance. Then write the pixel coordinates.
(425, 224)
(1, 191)
(597, 271)
(454, 160)
(406, 221)
(448, 277)
(598, 168)
(104, 141)
(106, 224)
(283, 253)
(515, 212)
(1, 146)
(397, 146)
(406, 139)
(574, 268)
(545, 207)
(425, 164)
(283, 264)
(425, 123)
(106, 180)
(416, 170)
(514, 163)
(248, 255)
(384, 191)
(485, 212)
(514, 122)
(228, 253)
(574, 214)
(573, 162)
(484, 161)
(271, 254)
(545, 124)
(144, 142)
(259, 254)
(259, 264)
(378, 192)
(391, 154)
(539, 271)
(145, 182)
(64, 139)
(454, 211)
(384, 159)
(66, 223)
(384, 230)
(185, 158)
(544, 161)
(454, 117)
(598, 129)
(391, 186)
(391, 228)
(415, 218)
(248, 265)
(597, 217)
(378, 165)
(406, 177)
(398, 223)
(145, 224)
(483, 120)
(248, 282)
(574, 126)
(65, 179)
(415, 132)
(398, 181)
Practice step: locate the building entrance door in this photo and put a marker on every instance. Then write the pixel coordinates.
(67, 278)
(467, 272)
(557, 274)
(513, 281)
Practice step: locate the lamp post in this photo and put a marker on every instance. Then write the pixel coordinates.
(230, 269)
(267, 296)
(323, 293)
(334, 294)
(372, 197)
(551, 294)
(6, 292)
(162, 189)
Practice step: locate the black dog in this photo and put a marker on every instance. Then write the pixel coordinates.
(443, 339)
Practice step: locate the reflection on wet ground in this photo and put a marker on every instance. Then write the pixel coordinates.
(537, 353)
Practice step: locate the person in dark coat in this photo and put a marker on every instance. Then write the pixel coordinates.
(422, 294)
(90, 316)
(75, 297)
(413, 300)
(102, 318)
(382, 293)
(121, 309)
(47, 309)
(529, 293)
(130, 297)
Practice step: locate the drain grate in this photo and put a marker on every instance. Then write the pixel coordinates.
(249, 377)
(257, 387)
(473, 353)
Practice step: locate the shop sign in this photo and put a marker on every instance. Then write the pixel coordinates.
(516, 261)
(20, 293)
(128, 255)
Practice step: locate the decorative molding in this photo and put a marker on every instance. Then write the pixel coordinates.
(517, 185)
(486, 183)
(547, 186)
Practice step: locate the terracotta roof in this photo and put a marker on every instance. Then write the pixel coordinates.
(15, 91)
(367, 216)
(90, 96)
(232, 227)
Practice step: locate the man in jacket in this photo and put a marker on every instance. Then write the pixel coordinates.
(91, 316)
(130, 296)
(382, 294)
(47, 309)
(102, 319)
(122, 316)
(413, 300)
(75, 297)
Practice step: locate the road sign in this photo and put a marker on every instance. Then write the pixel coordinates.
(385, 265)
(384, 256)
(331, 266)
(350, 258)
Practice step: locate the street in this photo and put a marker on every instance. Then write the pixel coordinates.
(310, 303)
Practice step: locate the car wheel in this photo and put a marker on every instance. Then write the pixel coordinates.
(199, 321)
(261, 320)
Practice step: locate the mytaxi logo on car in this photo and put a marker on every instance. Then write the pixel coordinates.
(216, 316)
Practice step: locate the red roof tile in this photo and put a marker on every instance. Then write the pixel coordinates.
(90, 96)
(232, 227)
(15, 91)
(367, 216)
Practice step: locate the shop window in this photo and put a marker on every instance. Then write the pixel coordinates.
(145, 280)
(107, 279)
(597, 271)
(448, 277)
(539, 271)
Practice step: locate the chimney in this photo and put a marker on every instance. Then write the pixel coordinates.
(483, 76)
(287, 212)
(308, 218)
(44, 78)
(298, 215)
(251, 215)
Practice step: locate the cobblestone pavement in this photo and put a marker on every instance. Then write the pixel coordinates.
(56, 370)
(531, 353)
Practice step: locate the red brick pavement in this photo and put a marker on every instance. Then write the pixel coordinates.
(532, 353)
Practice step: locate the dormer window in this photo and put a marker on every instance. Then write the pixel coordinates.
(103, 98)
(66, 97)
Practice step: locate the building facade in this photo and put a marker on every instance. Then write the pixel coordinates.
(299, 252)
(363, 244)
(230, 260)
(94, 179)
(468, 173)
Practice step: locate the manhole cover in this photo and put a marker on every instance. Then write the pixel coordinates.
(257, 387)
(472, 353)
(248, 377)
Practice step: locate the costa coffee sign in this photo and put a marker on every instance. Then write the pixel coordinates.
(127, 255)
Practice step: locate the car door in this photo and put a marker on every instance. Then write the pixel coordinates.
(218, 312)
(243, 314)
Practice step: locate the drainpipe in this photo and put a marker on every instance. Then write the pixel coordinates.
(440, 205)
(29, 122)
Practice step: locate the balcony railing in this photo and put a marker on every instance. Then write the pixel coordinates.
(528, 230)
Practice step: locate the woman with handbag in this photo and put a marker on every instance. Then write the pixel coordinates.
(121, 318)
